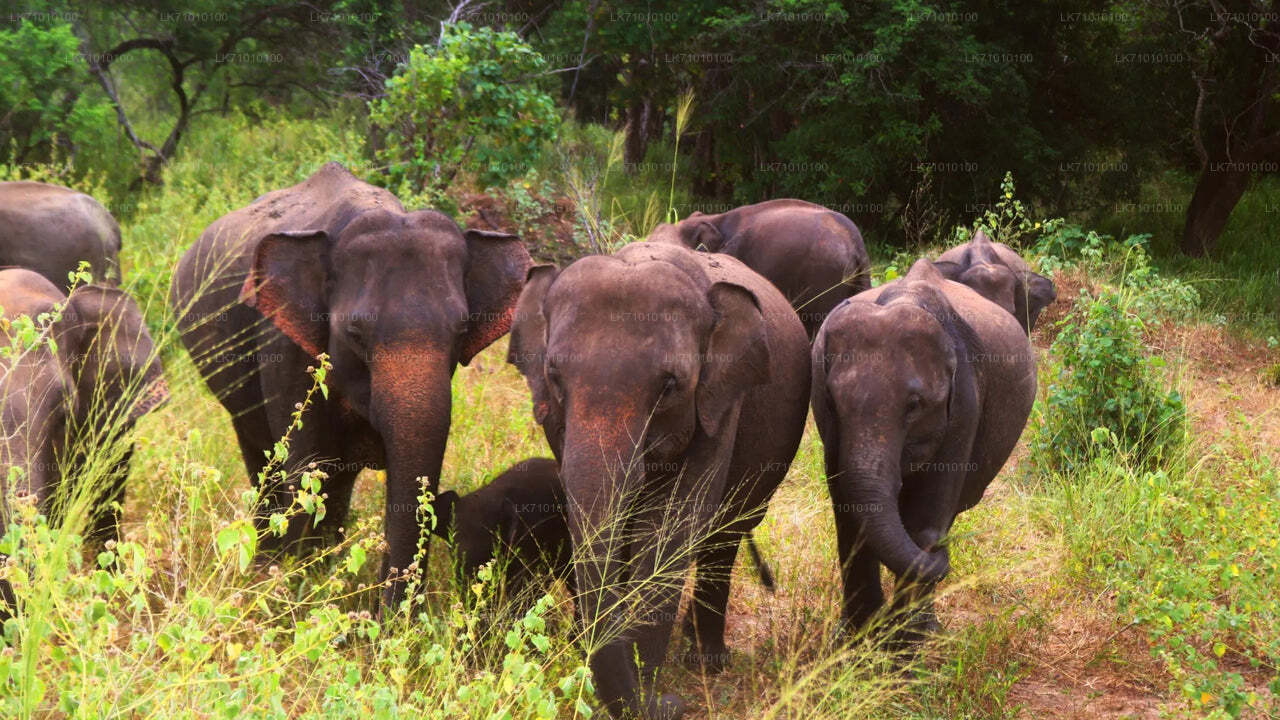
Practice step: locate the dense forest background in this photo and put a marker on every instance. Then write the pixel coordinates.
(907, 112)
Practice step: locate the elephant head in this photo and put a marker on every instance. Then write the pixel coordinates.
(697, 230)
(892, 375)
(111, 355)
(396, 300)
(638, 365)
(1000, 275)
(69, 398)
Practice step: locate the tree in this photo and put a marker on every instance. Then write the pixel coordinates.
(44, 98)
(202, 48)
(472, 101)
(1234, 51)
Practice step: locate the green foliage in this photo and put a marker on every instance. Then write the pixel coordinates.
(1192, 552)
(1105, 396)
(50, 109)
(472, 103)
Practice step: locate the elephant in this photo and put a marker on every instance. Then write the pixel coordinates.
(396, 299)
(670, 385)
(51, 229)
(921, 388)
(814, 255)
(1000, 275)
(520, 512)
(71, 399)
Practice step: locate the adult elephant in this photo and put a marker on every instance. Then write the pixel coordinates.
(921, 388)
(670, 385)
(814, 255)
(396, 299)
(1000, 275)
(70, 398)
(51, 229)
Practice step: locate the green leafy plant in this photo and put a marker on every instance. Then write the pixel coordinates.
(1105, 395)
(472, 102)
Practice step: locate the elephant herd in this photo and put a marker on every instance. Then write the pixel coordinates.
(672, 380)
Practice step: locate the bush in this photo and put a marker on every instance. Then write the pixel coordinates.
(473, 103)
(1105, 396)
(51, 109)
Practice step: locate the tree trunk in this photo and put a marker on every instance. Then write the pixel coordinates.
(1218, 190)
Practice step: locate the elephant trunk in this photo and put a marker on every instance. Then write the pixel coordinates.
(602, 469)
(875, 484)
(410, 405)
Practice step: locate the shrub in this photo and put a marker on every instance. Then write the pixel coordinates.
(1105, 395)
(472, 103)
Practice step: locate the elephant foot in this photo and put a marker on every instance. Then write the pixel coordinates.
(668, 706)
(710, 662)
(916, 632)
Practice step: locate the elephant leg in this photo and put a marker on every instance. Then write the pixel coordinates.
(104, 521)
(859, 570)
(339, 488)
(926, 517)
(705, 618)
(255, 457)
(661, 556)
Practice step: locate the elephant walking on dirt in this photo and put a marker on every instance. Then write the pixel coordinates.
(671, 386)
(70, 398)
(813, 254)
(395, 298)
(51, 229)
(921, 388)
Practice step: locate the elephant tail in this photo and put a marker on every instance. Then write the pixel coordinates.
(762, 567)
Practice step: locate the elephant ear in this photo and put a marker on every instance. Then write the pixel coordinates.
(707, 235)
(737, 355)
(949, 270)
(528, 347)
(107, 344)
(1040, 293)
(496, 268)
(288, 284)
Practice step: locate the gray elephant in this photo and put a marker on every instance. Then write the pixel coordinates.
(396, 299)
(814, 255)
(921, 388)
(51, 229)
(670, 385)
(1000, 275)
(72, 396)
(521, 513)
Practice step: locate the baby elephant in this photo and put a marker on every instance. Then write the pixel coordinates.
(1000, 275)
(520, 513)
(921, 388)
(70, 394)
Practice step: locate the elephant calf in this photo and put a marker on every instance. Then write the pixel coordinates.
(1000, 275)
(813, 254)
(51, 229)
(67, 403)
(520, 512)
(921, 388)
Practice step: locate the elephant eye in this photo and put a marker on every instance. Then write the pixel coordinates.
(914, 404)
(355, 335)
(669, 385)
(554, 381)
